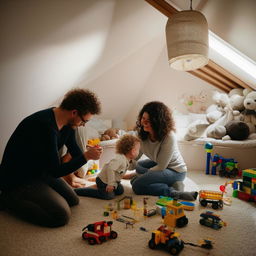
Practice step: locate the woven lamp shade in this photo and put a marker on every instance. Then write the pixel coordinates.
(187, 40)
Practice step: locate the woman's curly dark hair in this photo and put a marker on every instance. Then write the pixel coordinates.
(160, 118)
(83, 100)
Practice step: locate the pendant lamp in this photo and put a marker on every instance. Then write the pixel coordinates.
(187, 40)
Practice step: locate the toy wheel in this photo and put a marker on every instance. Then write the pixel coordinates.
(102, 239)
(174, 250)
(215, 206)
(220, 204)
(182, 222)
(113, 235)
(151, 244)
(203, 203)
(181, 245)
(84, 235)
(201, 221)
(91, 240)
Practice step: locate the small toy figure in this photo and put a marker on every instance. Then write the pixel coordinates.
(98, 232)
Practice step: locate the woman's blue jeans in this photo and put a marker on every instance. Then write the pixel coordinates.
(155, 183)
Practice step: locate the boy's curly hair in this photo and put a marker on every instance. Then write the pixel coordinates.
(126, 143)
(83, 100)
(160, 118)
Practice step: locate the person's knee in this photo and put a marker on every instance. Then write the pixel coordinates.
(59, 217)
(74, 200)
(137, 189)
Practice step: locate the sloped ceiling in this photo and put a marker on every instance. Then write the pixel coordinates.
(219, 72)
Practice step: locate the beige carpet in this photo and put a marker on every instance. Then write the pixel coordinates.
(236, 239)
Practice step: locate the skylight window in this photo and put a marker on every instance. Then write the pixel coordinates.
(231, 54)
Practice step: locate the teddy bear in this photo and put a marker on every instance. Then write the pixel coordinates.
(215, 111)
(232, 112)
(109, 134)
(249, 114)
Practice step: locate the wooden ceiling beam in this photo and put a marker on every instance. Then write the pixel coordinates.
(211, 73)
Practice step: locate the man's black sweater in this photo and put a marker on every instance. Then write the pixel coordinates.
(32, 151)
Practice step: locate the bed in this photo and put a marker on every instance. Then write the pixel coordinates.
(244, 152)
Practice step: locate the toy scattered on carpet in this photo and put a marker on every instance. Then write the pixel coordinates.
(170, 240)
(246, 189)
(228, 167)
(94, 169)
(209, 219)
(211, 197)
(163, 200)
(173, 214)
(99, 232)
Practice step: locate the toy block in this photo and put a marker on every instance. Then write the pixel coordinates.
(249, 173)
(243, 196)
(247, 190)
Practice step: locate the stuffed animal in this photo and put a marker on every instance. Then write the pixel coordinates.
(196, 130)
(236, 130)
(233, 107)
(215, 111)
(109, 134)
(249, 114)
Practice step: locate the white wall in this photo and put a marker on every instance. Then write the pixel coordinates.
(50, 46)
(114, 47)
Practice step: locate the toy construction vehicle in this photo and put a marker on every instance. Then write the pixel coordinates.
(174, 215)
(213, 197)
(162, 237)
(98, 232)
(211, 220)
(169, 239)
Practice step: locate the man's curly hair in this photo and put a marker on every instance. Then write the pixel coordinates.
(160, 118)
(126, 143)
(83, 100)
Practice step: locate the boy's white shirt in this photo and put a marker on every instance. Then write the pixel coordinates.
(113, 171)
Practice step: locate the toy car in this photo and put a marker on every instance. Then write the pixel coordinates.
(98, 232)
(211, 220)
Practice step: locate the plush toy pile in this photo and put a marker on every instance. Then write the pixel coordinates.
(110, 134)
(231, 117)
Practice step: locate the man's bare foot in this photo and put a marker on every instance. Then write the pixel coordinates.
(92, 179)
(74, 181)
(92, 186)
(129, 175)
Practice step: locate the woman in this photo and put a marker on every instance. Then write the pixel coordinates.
(165, 168)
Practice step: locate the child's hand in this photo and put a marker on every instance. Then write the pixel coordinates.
(110, 188)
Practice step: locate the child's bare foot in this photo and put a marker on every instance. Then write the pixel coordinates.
(129, 175)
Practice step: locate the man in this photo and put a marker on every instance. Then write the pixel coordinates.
(30, 173)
